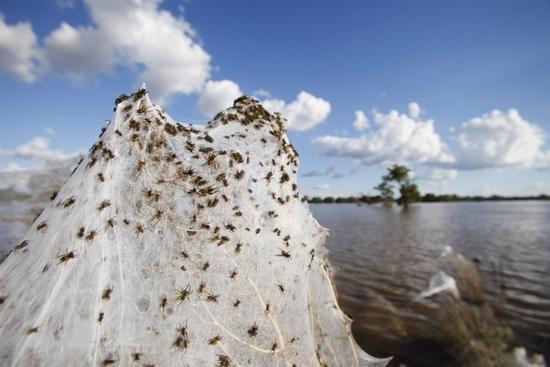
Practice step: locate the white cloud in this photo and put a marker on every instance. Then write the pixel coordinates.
(17, 50)
(37, 148)
(322, 187)
(395, 137)
(361, 121)
(439, 174)
(261, 93)
(217, 96)
(128, 33)
(12, 167)
(414, 110)
(77, 53)
(500, 139)
(304, 113)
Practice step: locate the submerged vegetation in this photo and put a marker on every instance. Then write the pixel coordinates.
(468, 328)
(408, 190)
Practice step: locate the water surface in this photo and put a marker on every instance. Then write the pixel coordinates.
(385, 257)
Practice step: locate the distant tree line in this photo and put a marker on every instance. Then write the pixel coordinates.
(426, 198)
(398, 177)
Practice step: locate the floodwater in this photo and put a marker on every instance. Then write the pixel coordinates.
(12, 229)
(384, 257)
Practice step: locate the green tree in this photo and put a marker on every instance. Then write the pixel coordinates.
(409, 194)
(386, 192)
(401, 176)
(397, 173)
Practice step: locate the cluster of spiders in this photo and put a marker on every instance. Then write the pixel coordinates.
(207, 189)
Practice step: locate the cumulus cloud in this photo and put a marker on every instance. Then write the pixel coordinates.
(261, 93)
(414, 110)
(500, 139)
(395, 137)
(129, 33)
(77, 53)
(12, 167)
(304, 113)
(439, 174)
(37, 148)
(17, 50)
(361, 121)
(217, 96)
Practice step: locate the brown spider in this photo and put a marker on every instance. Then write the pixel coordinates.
(237, 157)
(238, 248)
(284, 254)
(239, 175)
(212, 297)
(91, 235)
(80, 233)
(163, 301)
(66, 257)
(214, 340)
(183, 293)
(104, 204)
(201, 288)
(22, 245)
(253, 331)
(223, 361)
(106, 294)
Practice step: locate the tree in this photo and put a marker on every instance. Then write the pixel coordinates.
(409, 194)
(400, 175)
(386, 192)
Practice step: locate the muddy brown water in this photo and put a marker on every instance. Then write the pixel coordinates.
(384, 257)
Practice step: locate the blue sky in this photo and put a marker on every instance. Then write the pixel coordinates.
(469, 81)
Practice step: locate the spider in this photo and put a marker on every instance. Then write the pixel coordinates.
(104, 204)
(66, 256)
(80, 233)
(106, 294)
(183, 293)
(253, 331)
(239, 175)
(91, 235)
(212, 297)
(21, 245)
(284, 254)
(214, 340)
